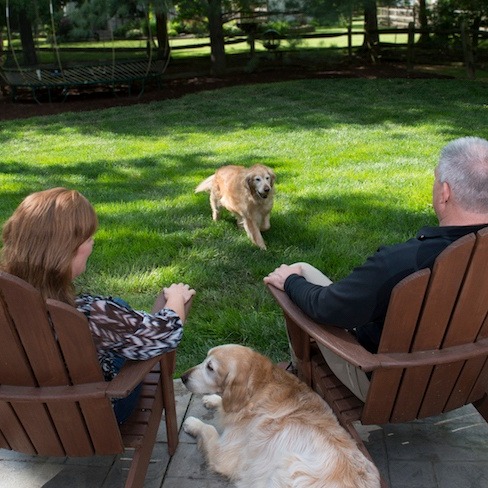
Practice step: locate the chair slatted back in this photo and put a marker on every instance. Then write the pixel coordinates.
(430, 311)
(45, 346)
(72, 330)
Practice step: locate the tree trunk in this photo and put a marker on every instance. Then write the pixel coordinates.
(27, 39)
(424, 25)
(475, 31)
(371, 36)
(468, 52)
(162, 35)
(217, 46)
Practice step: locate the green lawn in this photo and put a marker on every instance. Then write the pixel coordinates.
(353, 158)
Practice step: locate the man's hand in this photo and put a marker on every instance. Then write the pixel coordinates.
(278, 277)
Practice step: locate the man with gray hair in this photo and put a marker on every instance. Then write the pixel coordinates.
(359, 301)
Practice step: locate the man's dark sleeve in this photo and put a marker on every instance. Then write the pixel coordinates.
(355, 300)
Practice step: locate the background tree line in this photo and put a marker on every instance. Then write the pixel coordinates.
(24, 17)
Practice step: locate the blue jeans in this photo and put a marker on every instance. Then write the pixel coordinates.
(123, 407)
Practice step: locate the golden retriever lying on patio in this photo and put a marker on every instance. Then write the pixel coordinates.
(276, 431)
(247, 193)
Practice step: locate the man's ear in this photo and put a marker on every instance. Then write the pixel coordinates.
(445, 192)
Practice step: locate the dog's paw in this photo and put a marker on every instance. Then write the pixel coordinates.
(211, 401)
(192, 426)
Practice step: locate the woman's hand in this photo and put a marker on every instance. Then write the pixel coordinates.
(177, 296)
(179, 289)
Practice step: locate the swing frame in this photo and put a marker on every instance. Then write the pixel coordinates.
(52, 79)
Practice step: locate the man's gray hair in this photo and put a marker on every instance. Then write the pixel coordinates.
(464, 165)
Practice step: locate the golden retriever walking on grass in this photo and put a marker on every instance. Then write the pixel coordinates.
(247, 193)
(277, 432)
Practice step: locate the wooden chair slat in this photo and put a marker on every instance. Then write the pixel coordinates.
(71, 331)
(13, 434)
(465, 384)
(71, 429)
(480, 386)
(447, 278)
(16, 366)
(411, 290)
(3, 442)
(472, 306)
(36, 421)
(403, 320)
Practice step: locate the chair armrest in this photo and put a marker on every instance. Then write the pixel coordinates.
(346, 346)
(131, 374)
(338, 340)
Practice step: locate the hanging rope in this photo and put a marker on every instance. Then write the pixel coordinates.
(55, 41)
(149, 38)
(9, 35)
(151, 41)
(108, 23)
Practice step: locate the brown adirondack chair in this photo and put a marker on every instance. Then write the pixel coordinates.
(433, 353)
(53, 397)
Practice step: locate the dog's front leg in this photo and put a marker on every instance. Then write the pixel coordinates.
(208, 442)
(266, 224)
(212, 402)
(253, 232)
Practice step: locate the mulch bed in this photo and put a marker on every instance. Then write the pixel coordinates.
(178, 87)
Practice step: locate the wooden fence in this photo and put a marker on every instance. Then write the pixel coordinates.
(397, 17)
(411, 31)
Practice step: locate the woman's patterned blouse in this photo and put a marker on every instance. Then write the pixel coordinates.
(118, 330)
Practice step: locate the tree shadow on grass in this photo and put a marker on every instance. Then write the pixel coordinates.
(293, 105)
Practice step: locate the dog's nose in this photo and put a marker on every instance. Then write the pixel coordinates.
(266, 189)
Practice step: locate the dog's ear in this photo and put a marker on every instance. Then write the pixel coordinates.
(236, 394)
(247, 377)
(272, 176)
(249, 180)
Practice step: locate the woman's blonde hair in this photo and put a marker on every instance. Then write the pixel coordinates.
(42, 236)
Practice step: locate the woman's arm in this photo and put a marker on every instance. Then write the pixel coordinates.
(130, 333)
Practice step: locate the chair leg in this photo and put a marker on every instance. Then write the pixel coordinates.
(143, 450)
(141, 458)
(167, 368)
(482, 406)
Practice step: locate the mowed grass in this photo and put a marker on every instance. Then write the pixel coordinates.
(354, 160)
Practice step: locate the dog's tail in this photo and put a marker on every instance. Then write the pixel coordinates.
(205, 185)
